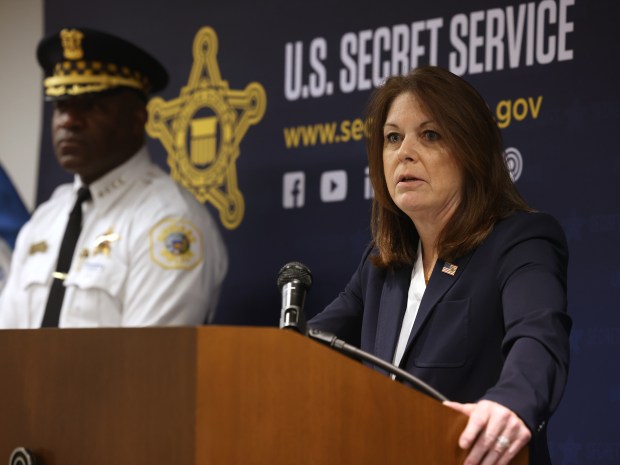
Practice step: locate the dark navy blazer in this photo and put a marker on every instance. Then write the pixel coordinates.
(497, 329)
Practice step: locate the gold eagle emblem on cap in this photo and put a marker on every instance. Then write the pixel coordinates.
(71, 40)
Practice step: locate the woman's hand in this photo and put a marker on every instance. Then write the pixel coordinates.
(494, 434)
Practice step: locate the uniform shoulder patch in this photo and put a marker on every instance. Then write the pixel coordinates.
(175, 243)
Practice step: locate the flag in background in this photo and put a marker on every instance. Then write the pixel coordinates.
(13, 213)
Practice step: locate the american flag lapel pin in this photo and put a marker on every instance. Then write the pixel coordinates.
(449, 268)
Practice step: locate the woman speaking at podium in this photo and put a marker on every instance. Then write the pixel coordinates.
(463, 285)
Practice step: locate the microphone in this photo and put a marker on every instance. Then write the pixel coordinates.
(294, 280)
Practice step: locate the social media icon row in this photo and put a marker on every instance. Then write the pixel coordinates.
(333, 187)
(334, 184)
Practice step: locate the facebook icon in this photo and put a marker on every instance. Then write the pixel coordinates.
(293, 189)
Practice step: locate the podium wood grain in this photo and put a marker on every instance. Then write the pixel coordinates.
(209, 396)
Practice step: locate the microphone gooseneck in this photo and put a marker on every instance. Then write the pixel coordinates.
(294, 280)
(358, 354)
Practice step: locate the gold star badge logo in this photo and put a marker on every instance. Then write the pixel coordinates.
(202, 128)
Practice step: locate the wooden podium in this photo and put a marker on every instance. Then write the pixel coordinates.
(209, 396)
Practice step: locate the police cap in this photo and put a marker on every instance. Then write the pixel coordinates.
(78, 61)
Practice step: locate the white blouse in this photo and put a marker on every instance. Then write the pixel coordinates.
(414, 297)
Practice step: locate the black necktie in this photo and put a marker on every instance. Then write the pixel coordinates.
(57, 292)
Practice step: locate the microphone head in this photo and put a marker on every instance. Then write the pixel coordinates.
(294, 271)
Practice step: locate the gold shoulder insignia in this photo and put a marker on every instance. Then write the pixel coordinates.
(38, 247)
(175, 244)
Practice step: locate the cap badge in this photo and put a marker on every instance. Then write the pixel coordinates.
(72, 44)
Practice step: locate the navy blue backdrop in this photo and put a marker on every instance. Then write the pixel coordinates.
(289, 80)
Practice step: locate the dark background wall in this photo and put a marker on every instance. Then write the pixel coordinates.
(547, 68)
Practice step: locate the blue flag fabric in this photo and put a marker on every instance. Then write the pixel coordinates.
(13, 213)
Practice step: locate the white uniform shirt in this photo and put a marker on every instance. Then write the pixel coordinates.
(149, 254)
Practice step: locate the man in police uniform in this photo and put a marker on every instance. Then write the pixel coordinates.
(148, 253)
